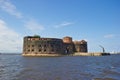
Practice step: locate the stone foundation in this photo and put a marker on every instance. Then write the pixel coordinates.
(75, 54)
(41, 55)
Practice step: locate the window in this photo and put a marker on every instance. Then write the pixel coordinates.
(39, 45)
(51, 45)
(32, 45)
(52, 50)
(28, 45)
(40, 50)
(44, 45)
(32, 49)
(57, 49)
(44, 50)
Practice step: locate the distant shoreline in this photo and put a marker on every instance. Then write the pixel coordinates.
(10, 53)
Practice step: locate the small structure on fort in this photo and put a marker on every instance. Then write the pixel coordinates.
(37, 46)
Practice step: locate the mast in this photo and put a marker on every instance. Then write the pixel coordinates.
(102, 48)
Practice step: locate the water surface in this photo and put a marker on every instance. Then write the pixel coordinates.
(16, 67)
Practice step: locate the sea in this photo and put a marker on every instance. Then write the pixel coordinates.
(17, 67)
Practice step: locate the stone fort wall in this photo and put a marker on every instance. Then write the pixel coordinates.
(38, 45)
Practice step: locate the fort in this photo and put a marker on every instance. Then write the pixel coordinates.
(38, 46)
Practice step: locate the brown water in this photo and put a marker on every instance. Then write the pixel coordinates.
(16, 67)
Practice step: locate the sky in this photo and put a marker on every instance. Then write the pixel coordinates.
(96, 21)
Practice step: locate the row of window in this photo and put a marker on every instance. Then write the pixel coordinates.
(40, 50)
(40, 45)
(44, 39)
(43, 45)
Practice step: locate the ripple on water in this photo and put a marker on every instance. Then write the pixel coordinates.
(59, 68)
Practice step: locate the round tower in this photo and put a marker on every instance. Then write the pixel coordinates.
(67, 39)
(80, 46)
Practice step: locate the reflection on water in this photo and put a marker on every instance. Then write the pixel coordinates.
(16, 67)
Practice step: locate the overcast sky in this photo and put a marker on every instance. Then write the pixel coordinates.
(96, 21)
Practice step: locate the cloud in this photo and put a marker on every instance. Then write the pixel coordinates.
(7, 6)
(10, 41)
(10, 8)
(64, 24)
(109, 36)
(33, 25)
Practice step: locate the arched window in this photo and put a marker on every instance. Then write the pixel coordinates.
(44, 50)
(40, 50)
(51, 45)
(32, 45)
(52, 50)
(28, 50)
(39, 45)
(28, 45)
(32, 50)
(45, 45)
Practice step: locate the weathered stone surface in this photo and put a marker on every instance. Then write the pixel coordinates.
(37, 46)
(90, 54)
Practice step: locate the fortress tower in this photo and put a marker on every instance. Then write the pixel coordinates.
(80, 46)
(67, 39)
(68, 45)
